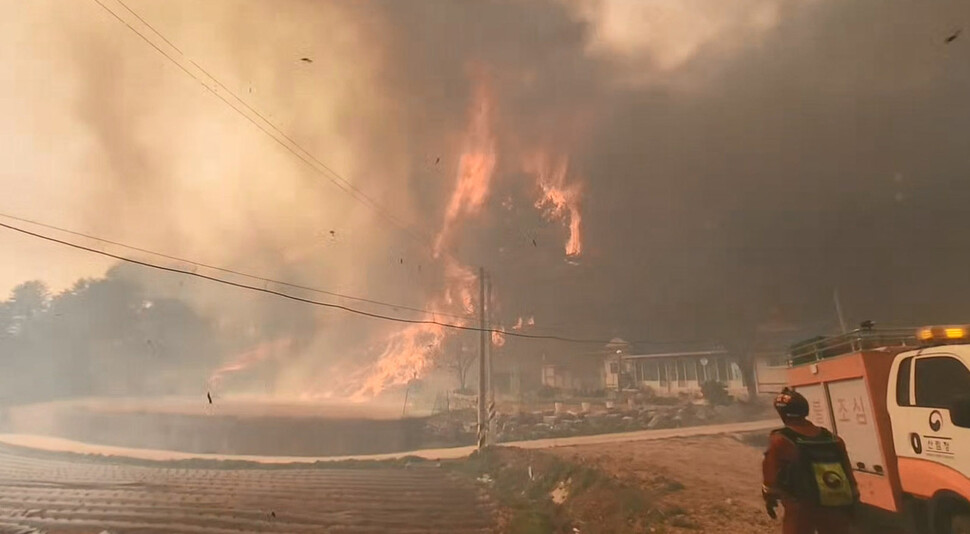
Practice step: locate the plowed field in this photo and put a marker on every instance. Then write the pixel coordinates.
(58, 495)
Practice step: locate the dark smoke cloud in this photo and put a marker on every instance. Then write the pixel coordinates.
(830, 156)
(829, 153)
(751, 180)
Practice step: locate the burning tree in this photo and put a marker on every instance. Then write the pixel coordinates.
(418, 347)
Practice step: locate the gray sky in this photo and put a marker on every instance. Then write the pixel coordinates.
(730, 161)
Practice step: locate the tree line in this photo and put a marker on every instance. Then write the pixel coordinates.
(103, 336)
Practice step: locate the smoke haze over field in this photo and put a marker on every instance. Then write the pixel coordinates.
(715, 166)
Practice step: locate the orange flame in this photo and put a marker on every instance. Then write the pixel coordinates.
(520, 323)
(475, 166)
(250, 357)
(498, 338)
(411, 352)
(558, 200)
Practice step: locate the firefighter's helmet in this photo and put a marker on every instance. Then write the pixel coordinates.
(791, 404)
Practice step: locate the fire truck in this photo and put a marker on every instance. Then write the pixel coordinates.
(900, 399)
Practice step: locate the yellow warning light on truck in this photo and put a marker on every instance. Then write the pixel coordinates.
(955, 333)
(942, 334)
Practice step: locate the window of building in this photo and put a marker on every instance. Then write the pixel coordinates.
(691, 369)
(663, 373)
(682, 372)
(709, 371)
(650, 372)
(614, 368)
(939, 381)
(549, 375)
(722, 370)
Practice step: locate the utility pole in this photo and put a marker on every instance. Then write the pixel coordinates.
(490, 352)
(838, 310)
(489, 349)
(482, 378)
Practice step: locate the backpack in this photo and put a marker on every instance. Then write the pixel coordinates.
(819, 476)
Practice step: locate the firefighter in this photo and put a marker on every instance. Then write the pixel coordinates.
(807, 469)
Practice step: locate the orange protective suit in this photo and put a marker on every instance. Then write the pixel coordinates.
(802, 517)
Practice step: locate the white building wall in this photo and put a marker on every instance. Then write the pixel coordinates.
(769, 378)
(683, 375)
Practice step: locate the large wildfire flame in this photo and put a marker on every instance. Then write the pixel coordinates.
(559, 200)
(410, 353)
(475, 167)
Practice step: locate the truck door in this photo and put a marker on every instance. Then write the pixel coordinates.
(927, 384)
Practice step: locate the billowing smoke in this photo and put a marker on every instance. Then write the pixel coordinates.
(657, 170)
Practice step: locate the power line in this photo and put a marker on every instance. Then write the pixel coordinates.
(235, 272)
(297, 150)
(558, 327)
(294, 297)
(304, 155)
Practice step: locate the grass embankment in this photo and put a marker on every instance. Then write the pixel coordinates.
(541, 493)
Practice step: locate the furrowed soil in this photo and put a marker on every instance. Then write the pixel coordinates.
(78, 494)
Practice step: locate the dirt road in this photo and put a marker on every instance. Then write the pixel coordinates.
(701, 484)
(705, 484)
(91, 496)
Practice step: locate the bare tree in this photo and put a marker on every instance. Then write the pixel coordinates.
(459, 362)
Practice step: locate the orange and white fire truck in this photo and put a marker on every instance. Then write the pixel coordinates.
(901, 401)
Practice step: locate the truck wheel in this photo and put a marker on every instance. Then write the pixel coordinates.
(960, 524)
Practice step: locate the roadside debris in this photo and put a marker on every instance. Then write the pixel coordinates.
(560, 492)
(953, 36)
